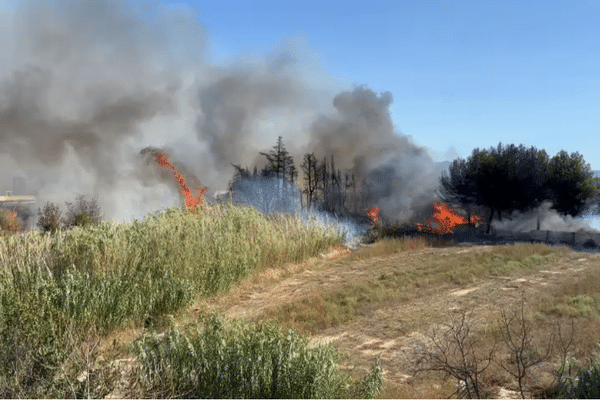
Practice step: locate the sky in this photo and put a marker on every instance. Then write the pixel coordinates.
(462, 74)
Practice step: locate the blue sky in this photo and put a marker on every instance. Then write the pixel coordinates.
(463, 74)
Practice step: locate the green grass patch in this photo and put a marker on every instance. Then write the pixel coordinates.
(244, 360)
(577, 306)
(54, 288)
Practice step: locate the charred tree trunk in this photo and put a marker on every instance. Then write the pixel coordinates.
(489, 227)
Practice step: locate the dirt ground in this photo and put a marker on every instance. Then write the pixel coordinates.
(392, 332)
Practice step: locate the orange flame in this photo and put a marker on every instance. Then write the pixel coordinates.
(373, 215)
(190, 200)
(447, 218)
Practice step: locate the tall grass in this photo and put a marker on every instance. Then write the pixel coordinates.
(244, 361)
(55, 287)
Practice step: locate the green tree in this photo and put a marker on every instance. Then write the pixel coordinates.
(570, 183)
(503, 178)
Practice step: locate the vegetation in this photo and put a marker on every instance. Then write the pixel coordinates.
(83, 213)
(244, 361)
(9, 221)
(513, 178)
(56, 289)
(347, 302)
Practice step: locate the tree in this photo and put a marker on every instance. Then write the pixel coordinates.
(503, 179)
(281, 164)
(570, 183)
(459, 187)
(309, 168)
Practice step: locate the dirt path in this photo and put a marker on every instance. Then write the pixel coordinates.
(391, 332)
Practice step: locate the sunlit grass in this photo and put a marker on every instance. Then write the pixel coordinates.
(54, 287)
(408, 280)
(241, 360)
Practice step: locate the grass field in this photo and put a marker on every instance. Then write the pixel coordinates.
(65, 296)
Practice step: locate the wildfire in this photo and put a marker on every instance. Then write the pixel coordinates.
(373, 215)
(447, 218)
(191, 201)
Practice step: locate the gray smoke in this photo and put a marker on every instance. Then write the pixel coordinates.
(547, 219)
(86, 85)
(401, 176)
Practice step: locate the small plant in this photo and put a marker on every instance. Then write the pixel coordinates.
(454, 353)
(244, 361)
(84, 213)
(517, 336)
(49, 218)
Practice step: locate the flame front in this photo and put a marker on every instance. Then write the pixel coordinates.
(191, 201)
(373, 215)
(447, 218)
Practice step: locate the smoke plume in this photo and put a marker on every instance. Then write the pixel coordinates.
(87, 85)
(543, 218)
(402, 177)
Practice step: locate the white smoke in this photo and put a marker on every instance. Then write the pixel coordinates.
(547, 219)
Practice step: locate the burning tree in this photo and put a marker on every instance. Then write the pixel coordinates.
(190, 200)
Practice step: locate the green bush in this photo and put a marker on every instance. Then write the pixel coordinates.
(55, 288)
(83, 213)
(243, 361)
(577, 382)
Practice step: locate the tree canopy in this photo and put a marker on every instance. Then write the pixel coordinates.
(512, 178)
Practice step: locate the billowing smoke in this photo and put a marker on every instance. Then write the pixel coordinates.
(400, 175)
(546, 219)
(86, 85)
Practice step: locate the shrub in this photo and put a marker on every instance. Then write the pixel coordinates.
(9, 221)
(577, 382)
(243, 361)
(83, 213)
(49, 218)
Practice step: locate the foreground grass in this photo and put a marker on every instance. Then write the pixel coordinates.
(56, 289)
(61, 294)
(243, 361)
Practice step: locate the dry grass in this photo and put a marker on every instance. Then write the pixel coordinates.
(346, 304)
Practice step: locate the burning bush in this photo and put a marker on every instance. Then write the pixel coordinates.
(9, 221)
